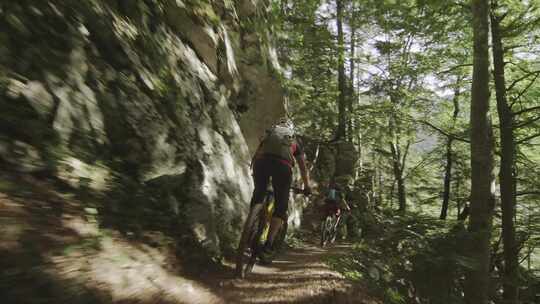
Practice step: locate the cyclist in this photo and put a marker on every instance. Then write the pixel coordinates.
(275, 157)
(334, 202)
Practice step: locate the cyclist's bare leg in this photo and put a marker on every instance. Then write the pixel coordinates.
(275, 226)
(281, 182)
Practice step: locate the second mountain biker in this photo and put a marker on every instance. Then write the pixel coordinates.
(334, 204)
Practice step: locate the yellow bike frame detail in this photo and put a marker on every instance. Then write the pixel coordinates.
(268, 219)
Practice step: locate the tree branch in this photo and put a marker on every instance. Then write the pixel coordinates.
(525, 89)
(527, 138)
(512, 47)
(453, 136)
(511, 86)
(527, 122)
(424, 162)
(526, 110)
(454, 68)
(520, 193)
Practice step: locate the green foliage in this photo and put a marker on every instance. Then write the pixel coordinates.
(309, 56)
(412, 87)
(410, 257)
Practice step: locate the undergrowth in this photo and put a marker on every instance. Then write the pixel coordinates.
(413, 258)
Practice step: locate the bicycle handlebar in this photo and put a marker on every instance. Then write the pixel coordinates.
(297, 190)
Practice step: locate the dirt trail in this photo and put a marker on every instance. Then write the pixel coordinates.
(297, 276)
(49, 240)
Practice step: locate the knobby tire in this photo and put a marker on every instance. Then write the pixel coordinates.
(248, 238)
(326, 226)
(254, 242)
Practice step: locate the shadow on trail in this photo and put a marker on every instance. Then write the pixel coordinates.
(299, 275)
(51, 251)
(33, 230)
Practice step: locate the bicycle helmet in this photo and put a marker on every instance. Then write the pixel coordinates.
(284, 127)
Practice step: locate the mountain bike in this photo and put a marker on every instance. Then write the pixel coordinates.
(256, 230)
(329, 225)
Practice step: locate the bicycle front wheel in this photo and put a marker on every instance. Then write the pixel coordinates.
(326, 229)
(256, 241)
(248, 240)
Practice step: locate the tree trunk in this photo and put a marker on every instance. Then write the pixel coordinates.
(447, 179)
(506, 176)
(402, 195)
(342, 119)
(482, 179)
(350, 123)
(459, 199)
(448, 168)
(398, 176)
(380, 182)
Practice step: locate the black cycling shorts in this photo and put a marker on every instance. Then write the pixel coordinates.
(281, 174)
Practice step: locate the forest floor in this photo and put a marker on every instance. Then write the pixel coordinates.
(52, 250)
(299, 275)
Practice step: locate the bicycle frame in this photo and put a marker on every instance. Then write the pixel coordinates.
(268, 216)
(256, 232)
(329, 226)
(269, 203)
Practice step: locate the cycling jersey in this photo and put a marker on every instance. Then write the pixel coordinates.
(296, 151)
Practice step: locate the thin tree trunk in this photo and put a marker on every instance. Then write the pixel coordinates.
(398, 176)
(392, 190)
(350, 124)
(448, 168)
(459, 199)
(506, 177)
(380, 182)
(482, 178)
(447, 179)
(358, 129)
(402, 195)
(342, 118)
(401, 186)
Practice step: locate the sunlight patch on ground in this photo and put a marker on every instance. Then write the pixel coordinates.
(130, 271)
(80, 225)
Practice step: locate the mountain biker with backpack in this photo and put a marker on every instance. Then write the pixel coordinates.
(334, 201)
(275, 157)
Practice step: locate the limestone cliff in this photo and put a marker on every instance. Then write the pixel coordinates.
(149, 105)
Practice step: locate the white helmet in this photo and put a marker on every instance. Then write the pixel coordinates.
(284, 127)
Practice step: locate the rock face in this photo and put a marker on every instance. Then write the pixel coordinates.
(151, 104)
(336, 160)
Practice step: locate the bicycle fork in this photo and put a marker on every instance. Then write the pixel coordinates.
(337, 222)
